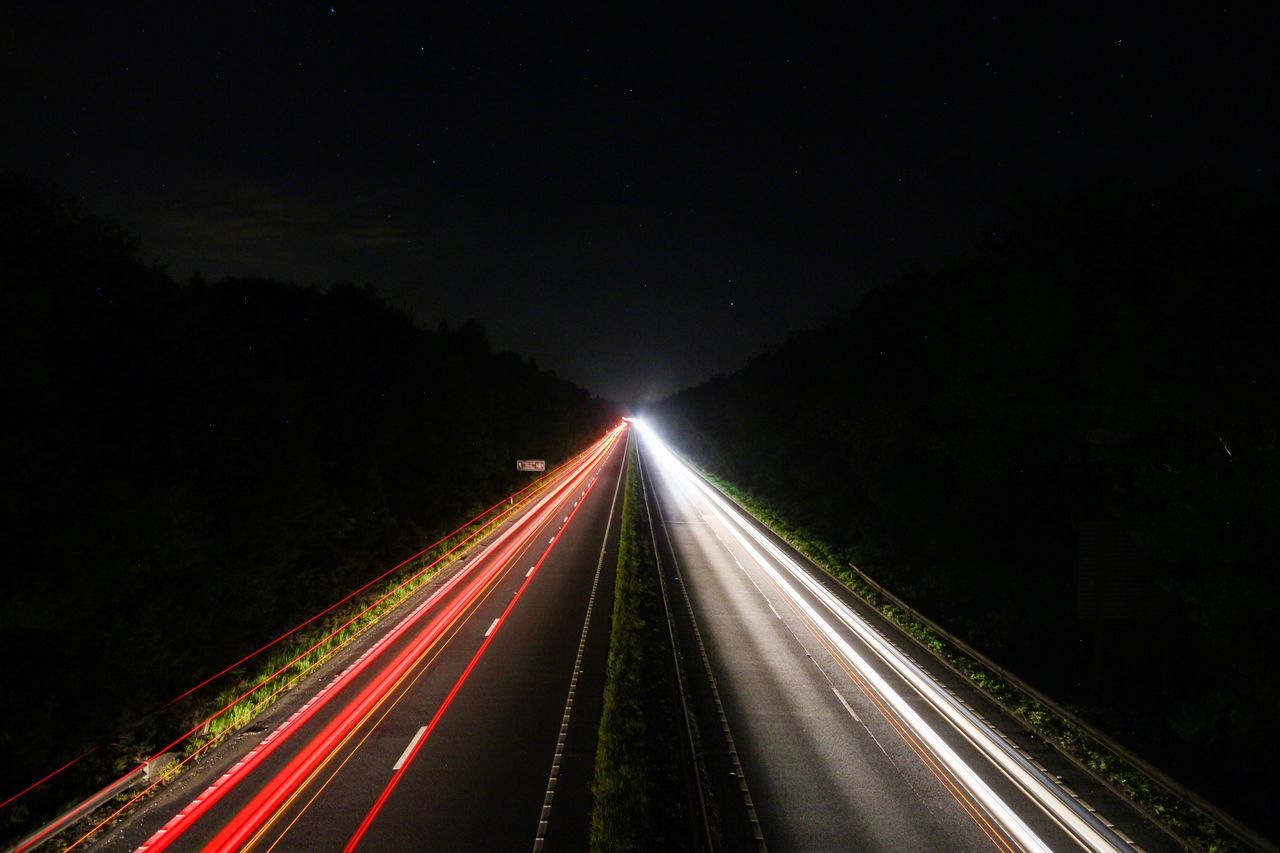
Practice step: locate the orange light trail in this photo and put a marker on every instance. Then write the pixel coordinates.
(267, 800)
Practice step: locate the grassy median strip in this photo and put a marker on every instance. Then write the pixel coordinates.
(638, 788)
(1179, 816)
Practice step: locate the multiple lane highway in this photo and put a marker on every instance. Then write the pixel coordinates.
(469, 720)
(835, 738)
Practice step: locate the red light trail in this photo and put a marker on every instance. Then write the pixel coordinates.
(419, 742)
(507, 504)
(472, 583)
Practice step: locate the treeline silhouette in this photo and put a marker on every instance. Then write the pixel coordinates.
(1065, 447)
(192, 468)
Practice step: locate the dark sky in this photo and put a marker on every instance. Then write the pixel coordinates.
(638, 200)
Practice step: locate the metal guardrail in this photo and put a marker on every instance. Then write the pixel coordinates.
(690, 728)
(81, 810)
(1235, 827)
(159, 764)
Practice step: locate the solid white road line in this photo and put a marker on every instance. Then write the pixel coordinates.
(1087, 830)
(540, 838)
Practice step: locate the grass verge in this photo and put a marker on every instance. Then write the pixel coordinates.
(637, 787)
(287, 666)
(244, 694)
(1166, 805)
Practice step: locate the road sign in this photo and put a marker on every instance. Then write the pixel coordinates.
(531, 464)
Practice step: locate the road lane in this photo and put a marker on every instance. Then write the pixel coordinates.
(844, 740)
(807, 766)
(326, 799)
(484, 772)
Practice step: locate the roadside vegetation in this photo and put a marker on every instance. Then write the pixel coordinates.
(247, 692)
(192, 468)
(202, 721)
(1083, 409)
(1182, 817)
(638, 789)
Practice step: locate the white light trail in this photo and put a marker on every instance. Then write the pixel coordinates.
(1084, 827)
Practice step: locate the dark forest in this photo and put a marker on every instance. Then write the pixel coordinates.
(1092, 396)
(192, 467)
(897, 388)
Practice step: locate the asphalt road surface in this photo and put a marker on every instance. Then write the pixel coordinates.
(450, 727)
(842, 741)
(467, 721)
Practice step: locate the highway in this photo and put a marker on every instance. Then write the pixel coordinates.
(466, 720)
(822, 732)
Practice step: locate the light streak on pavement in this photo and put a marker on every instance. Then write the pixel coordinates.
(850, 640)
(381, 675)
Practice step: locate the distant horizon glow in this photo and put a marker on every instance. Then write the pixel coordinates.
(603, 194)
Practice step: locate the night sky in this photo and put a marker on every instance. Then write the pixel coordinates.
(640, 200)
